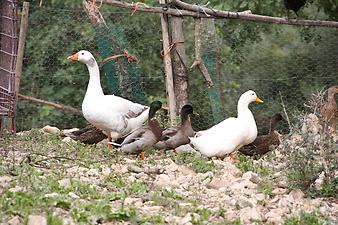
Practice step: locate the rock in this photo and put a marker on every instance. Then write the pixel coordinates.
(243, 202)
(14, 221)
(188, 217)
(137, 202)
(73, 195)
(16, 189)
(296, 194)
(65, 183)
(249, 214)
(163, 180)
(244, 186)
(260, 197)
(217, 183)
(275, 215)
(151, 209)
(319, 181)
(106, 171)
(51, 130)
(279, 191)
(172, 167)
(5, 181)
(187, 148)
(251, 176)
(93, 172)
(52, 195)
(68, 140)
(284, 202)
(172, 219)
(184, 170)
(119, 168)
(282, 184)
(36, 220)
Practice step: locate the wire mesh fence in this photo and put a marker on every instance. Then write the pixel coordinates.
(283, 64)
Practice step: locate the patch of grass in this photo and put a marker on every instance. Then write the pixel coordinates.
(303, 218)
(266, 187)
(326, 189)
(204, 216)
(154, 219)
(198, 164)
(137, 187)
(113, 182)
(246, 164)
(53, 220)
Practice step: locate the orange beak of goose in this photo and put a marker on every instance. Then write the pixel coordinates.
(74, 57)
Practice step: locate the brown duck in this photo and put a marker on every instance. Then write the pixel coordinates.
(261, 144)
(87, 135)
(174, 137)
(146, 136)
(330, 110)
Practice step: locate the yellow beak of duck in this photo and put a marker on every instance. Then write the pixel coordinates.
(259, 100)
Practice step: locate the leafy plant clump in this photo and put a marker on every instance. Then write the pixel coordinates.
(311, 154)
(312, 218)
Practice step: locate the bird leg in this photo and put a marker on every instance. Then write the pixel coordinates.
(142, 155)
(109, 145)
(175, 152)
(232, 157)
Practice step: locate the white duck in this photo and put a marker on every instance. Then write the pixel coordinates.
(114, 115)
(231, 134)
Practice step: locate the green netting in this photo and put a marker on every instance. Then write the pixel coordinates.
(123, 77)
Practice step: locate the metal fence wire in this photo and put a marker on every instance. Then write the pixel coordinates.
(283, 64)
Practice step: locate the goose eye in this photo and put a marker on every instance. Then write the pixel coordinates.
(253, 94)
(82, 53)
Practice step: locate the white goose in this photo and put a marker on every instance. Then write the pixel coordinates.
(231, 134)
(114, 115)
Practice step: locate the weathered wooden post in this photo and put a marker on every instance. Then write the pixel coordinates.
(179, 60)
(21, 47)
(169, 81)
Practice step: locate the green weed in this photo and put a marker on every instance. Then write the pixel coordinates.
(198, 164)
(303, 218)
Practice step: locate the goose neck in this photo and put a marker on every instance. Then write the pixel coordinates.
(94, 85)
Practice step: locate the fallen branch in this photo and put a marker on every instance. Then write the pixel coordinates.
(185, 9)
(198, 58)
(53, 104)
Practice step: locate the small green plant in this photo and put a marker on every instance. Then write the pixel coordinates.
(303, 218)
(266, 187)
(245, 164)
(137, 187)
(53, 220)
(198, 164)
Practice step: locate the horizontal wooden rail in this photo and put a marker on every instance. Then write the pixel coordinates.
(185, 9)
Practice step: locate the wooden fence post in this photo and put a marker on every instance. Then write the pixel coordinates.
(169, 81)
(179, 59)
(21, 47)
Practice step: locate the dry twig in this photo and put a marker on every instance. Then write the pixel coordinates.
(198, 58)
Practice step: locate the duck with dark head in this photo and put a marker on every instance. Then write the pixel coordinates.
(174, 137)
(146, 136)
